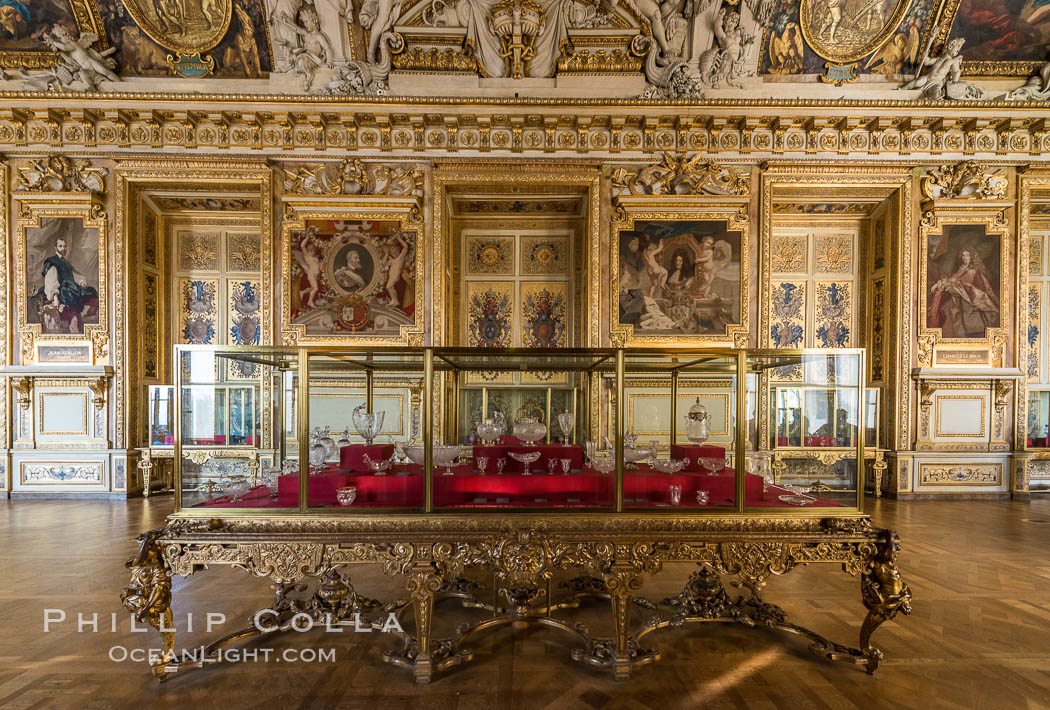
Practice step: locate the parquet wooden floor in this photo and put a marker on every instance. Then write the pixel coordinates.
(979, 636)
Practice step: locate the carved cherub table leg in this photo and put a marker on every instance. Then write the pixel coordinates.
(148, 596)
(883, 592)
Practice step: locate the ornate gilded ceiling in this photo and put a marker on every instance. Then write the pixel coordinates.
(518, 49)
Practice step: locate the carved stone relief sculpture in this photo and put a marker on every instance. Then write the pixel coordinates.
(941, 80)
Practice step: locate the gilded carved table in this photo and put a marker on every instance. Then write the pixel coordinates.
(308, 560)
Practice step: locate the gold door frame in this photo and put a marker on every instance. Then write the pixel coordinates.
(584, 176)
(133, 179)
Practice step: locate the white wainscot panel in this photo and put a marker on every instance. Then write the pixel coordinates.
(64, 414)
(960, 417)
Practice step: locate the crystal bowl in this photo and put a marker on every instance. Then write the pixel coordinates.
(604, 464)
(638, 454)
(525, 458)
(669, 465)
(488, 430)
(530, 430)
(414, 454)
(346, 495)
(714, 465)
(446, 456)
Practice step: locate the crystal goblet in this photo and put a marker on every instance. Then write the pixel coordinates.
(566, 422)
(675, 491)
(368, 424)
(565, 464)
(483, 463)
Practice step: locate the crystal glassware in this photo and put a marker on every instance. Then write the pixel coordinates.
(346, 495)
(698, 423)
(488, 430)
(290, 467)
(368, 424)
(525, 458)
(631, 456)
(330, 448)
(675, 491)
(566, 422)
(415, 454)
(344, 438)
(703, 497)
(551, 465)
(483, 463)
(379, 466)
(668, 465)
(501, 464)
(318, 453)
(529, 430)
(565, 464)
(798, 495)
(235, 487)
(446, 456)
(269, 479)
(713, 464)
(604, 464)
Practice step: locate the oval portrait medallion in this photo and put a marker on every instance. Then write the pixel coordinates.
(848, 30)
(186, 26)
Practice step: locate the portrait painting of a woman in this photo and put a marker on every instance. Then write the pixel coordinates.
(965, 303)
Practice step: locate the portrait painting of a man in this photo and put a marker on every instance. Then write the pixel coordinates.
(63, 275)
(963, 298)
(352, 277)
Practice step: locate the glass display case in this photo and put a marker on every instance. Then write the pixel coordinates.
(460, 447)
(1038, 436)
(161, 402)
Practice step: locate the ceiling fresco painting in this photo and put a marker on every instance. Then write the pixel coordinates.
(676, 49)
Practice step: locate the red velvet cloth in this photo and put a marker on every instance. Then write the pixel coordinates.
(643, 488)
(695, 453)
(352, 458)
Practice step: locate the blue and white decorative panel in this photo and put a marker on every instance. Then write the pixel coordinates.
(833, 314)
(1034, 331)
(61, 473)
(198, 312)
(787, 314)
(242, 322)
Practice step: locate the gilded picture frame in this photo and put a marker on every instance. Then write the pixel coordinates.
(952, 236)
(349, 295)
(718, 220)
(989, 62)
(88, 21)
(42, 223)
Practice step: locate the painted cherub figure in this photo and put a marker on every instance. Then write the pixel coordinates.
(395, 264)
(657, 272)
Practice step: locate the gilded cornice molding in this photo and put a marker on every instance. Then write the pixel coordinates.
(720, 132)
